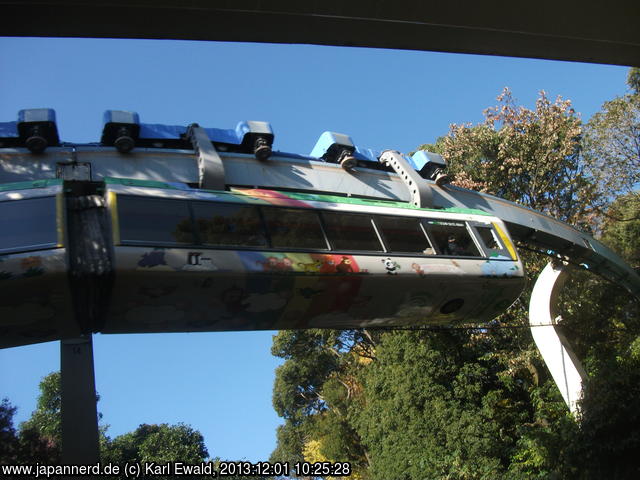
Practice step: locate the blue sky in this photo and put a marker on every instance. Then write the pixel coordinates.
(220, 383)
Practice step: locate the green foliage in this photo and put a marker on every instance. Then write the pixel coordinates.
(633, 80)
(609, 439)
(624, 236)
(40, 437)
(312, 392)
(46, 420)
(612, 149)
(8, 438)
(604, 326)
(444, 405)
(527, 156)
(41, 434)
(310, 356)
(437, 147)
(159, 444)
(289, 443)
(413, 410)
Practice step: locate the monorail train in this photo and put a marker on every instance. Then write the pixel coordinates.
(162, 257)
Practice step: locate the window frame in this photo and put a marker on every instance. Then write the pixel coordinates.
(372, 223)
(470, 227)
(59, 223)
(503, 251)
(295, 249)
(160, 243)
(198, 237)
(466, 226)
(386, 243)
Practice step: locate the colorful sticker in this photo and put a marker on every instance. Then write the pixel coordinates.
(273, 197)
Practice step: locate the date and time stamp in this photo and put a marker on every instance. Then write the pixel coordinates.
(219, 469)
(298, 469)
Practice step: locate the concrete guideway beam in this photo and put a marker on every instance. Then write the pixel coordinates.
(564, 365)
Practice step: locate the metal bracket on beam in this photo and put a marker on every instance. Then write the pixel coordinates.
(419, 189)
(564, 365)
(210, 167)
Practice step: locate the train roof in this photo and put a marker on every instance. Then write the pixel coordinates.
(260, 196)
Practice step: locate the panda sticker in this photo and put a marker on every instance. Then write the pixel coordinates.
(391, 266)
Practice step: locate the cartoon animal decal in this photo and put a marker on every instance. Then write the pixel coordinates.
(328, 266)
(275, 264)
(344, 266)
(152, 259)
(419, 270)
(269, 264)
(391, 266)
(313, 267)
(285, 264)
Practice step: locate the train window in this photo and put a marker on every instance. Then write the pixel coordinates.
(28, 223)
(402, 234)
(294, 228)
(351, 232)
(228, 224)
(451, 238)
(493, 243)
(154, 220)
(489, 238)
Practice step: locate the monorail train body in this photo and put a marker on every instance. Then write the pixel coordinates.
(132, 256)
(165, 228)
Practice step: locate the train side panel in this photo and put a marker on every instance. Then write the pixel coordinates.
(165, 289)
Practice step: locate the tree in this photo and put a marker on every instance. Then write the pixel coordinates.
(39, 439)
(527, 156)
(158, 444)
(47, 418)
(474, 403)
(41, 434)
(612, 145)
(312, 391)
(624, 236)
(633, 80)
(8, 439)
(605, 330)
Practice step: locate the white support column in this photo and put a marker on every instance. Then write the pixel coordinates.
(566, 369)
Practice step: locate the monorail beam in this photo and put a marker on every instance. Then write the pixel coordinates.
(80, 443)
